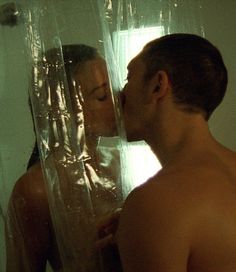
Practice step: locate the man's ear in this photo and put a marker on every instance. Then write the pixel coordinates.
(159, 85)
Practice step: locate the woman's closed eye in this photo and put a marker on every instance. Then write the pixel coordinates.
(100, 94)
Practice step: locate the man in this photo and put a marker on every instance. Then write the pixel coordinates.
(183, 219)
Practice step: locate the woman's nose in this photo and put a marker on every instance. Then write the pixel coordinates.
(122, 97)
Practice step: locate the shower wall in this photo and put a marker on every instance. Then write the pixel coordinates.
(16, 137)
(220, 21)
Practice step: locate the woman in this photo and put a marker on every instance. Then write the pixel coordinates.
(30, 235)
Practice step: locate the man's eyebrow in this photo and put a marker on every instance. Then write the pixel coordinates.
(104, 84)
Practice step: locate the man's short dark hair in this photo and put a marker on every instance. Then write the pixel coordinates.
(195, 68)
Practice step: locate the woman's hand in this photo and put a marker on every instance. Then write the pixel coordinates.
(106, 243)
(107, 228)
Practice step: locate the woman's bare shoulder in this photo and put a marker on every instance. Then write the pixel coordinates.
(31, 186)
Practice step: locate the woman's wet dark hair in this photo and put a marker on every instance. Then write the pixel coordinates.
(74, 55)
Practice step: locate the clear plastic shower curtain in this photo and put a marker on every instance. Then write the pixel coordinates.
(73, 106)
(78, 52)
(132, 23)
(76, 126)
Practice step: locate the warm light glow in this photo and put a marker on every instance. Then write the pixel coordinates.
(143, 164)
(128, 43)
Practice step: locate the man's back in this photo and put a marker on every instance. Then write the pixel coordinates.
(214, 229)
(187, 215)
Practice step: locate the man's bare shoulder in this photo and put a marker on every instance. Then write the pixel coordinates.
(157, 224)
(167, 190)
(186, 187)
(178, 213)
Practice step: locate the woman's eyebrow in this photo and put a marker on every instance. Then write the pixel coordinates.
(104, 84)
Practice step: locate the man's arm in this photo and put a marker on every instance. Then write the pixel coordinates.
(154, 230)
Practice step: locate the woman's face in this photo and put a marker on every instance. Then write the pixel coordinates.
(92, 80)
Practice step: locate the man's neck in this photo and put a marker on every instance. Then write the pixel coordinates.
(189, 134)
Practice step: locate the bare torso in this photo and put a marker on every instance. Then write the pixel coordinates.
(214, 233)
(184, 218)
